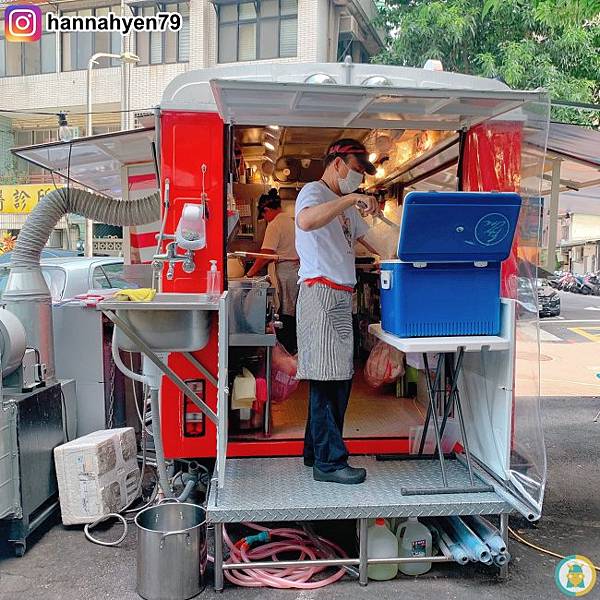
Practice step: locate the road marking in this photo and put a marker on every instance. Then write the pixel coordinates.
(586, 333)
(546, 336)
(545, 321)
(594, 385)
(591, 308)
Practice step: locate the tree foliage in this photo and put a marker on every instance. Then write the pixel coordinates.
(554, 44)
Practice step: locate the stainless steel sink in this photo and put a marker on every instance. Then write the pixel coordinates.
(171, 322)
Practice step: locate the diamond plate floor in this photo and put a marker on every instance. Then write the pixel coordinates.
(282, 489)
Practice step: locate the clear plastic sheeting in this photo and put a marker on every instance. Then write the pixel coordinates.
(506, 154)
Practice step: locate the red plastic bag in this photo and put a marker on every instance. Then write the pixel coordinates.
(384, 365)
(283, 374)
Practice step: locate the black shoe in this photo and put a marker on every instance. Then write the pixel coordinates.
(347, 475)
(309, 462)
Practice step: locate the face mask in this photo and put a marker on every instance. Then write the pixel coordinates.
(351, 182)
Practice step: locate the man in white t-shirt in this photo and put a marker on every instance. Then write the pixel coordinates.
(328, 225)
(280, 240)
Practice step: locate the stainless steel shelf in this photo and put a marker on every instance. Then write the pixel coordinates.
(283, 489)
(164, 301)
(252, 339)
(471, 343)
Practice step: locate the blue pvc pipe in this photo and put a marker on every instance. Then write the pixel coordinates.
(488, 533)
(469, 540)
(459, 554)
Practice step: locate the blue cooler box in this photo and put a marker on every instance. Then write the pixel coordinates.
(446, 280)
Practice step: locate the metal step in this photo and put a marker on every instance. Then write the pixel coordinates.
(283, 489)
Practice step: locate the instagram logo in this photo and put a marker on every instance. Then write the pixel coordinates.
(23, 23)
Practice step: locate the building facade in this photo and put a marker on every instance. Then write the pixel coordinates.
(49, 76)
(579, 239)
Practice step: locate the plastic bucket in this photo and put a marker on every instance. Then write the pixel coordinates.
(171, 551)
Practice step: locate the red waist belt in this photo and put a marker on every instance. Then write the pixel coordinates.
(327, 282)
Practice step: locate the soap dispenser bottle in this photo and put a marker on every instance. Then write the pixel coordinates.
(213, 282)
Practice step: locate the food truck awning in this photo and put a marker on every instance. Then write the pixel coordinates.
(322, 105)
(575, 142)
(95, 162)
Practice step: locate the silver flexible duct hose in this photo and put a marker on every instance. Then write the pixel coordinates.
(27, 294)
(52, 207)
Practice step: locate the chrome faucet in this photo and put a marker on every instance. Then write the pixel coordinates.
(171, 257)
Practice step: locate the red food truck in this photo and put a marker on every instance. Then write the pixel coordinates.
(224, 136)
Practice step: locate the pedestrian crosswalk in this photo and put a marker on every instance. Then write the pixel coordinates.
(546, 336)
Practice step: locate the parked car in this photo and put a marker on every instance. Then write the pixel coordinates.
(69, 277)
(46, 253)
(548, 299)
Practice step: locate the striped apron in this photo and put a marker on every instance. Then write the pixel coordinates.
(325, 334)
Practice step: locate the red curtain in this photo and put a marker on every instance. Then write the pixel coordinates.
(492, 162)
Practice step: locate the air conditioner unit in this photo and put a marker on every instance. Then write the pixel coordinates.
(349, 27)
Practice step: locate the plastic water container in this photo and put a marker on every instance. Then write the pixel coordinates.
(381, 543)
(390, 523)
(414, 540)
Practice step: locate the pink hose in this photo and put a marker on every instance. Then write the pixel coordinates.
(292, 540)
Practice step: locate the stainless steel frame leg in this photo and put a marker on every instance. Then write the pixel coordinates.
(218, 557)
(454, 400)
(454, 371)
(463, 432)
(436, 423)
(431, 392)
(503, 570)
(267, 420)
(362, 552)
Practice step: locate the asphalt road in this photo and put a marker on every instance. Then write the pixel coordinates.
(579, 320)
(62, 565)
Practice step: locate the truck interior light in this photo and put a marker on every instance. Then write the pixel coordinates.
(320, 78)
(376, 81)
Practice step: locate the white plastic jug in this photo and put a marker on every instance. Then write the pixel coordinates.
(414, 539)
(381, 543)
(389, 523)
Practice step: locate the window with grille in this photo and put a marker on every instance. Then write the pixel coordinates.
(78, 47)
(258, 30)
(163, 47)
